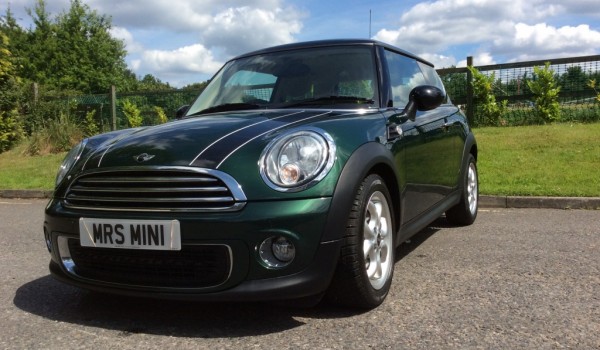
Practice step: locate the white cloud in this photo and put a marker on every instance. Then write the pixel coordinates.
(173, 15)
(125, 35)
(440, 61)
(582, 7)
(186, 40)
(181, 14)
(238, 30)
(483, 58)
(185, 65)
(215, 30)
(549, 40)
(513, 29)
(189, 59)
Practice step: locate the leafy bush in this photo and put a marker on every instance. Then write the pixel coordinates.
(489, 111)
(51, 106)
(10, 130)
(90, 127)
(545, 90)
(592, 85)
(161, 115)
(59, 135)
(132, 113)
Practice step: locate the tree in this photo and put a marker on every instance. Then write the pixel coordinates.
(574, 79)
(196, 86)
(73, 51)
(15, 35)
(455, 84)
(151, 83)
(10, 127)
(36, 53)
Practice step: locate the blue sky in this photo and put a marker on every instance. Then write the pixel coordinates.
(186, 41)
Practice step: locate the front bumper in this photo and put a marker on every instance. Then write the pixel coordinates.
(249, 279)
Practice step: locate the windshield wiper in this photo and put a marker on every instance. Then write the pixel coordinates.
(330, 100)
(229, 107)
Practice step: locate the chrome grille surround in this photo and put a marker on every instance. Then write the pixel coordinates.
(155, 189)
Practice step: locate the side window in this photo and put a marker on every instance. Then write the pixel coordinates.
(431, 77)
(405, 75)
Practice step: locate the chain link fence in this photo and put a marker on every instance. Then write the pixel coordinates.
(169, 101)
(578, 101)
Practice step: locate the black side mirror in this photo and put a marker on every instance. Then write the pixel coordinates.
(423, 98)
(181, 111)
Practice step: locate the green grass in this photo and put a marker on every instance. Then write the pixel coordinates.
(22, 172)
(552, 160)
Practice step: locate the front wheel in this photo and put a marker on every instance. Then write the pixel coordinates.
(465, 212)
(364, 273)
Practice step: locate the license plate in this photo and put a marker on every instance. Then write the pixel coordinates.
(130, 234)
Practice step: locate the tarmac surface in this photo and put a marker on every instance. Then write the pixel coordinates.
(515, 279)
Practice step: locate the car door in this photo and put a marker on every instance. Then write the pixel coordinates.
(422, 147)
(453, 131)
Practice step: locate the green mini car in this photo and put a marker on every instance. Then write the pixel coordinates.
(295, 174)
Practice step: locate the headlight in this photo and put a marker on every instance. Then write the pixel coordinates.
(70, 159)
(298, 160)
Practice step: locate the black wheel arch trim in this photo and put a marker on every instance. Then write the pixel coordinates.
(372, 157)
(470, 144)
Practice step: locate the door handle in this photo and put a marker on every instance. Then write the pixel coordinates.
(446, 126)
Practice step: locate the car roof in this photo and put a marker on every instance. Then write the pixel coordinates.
(329, 43)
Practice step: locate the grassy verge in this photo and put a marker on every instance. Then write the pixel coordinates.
(552, 160)
(21, 172)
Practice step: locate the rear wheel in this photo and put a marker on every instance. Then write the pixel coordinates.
(364, 273)
(465, 212)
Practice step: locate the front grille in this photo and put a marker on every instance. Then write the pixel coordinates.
(150, 189)
(197, 266)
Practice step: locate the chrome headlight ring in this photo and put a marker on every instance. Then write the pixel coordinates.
(297, 160)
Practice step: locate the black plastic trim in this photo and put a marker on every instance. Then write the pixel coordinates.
(365, 158)
(469, 143)
(312, 281)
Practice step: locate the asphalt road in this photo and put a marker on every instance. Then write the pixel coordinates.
(517, 278)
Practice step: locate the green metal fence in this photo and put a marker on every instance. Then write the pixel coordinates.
(577, 99)
(169, 101)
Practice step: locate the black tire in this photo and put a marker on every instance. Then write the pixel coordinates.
(369, 231)
(465, 212)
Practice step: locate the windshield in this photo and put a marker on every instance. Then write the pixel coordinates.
(336, 77)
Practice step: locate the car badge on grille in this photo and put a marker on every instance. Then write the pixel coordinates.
(144, 157)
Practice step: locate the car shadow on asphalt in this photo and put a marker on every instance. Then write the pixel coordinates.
(415, 241)
(56, 301)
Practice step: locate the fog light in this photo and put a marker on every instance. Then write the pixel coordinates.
(283, 249)
(48, 240)
(277, 251)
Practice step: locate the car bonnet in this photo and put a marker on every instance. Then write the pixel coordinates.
(204, 141)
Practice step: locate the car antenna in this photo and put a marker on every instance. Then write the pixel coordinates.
(369, 23)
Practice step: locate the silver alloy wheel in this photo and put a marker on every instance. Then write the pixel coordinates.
(378, 240)
(472, 190)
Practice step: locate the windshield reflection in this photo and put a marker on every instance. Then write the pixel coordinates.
(336, 77)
